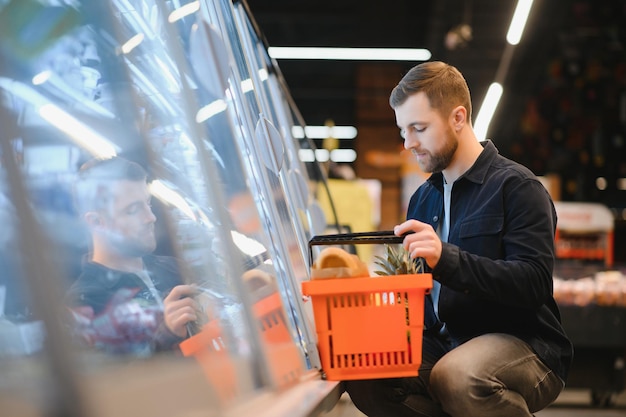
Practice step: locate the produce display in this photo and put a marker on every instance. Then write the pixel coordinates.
(606, 288)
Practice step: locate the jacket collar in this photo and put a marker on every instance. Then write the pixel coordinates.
(107, 277)
(477, 172)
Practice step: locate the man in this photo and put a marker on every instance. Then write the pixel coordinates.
(126, 300)
(485, 227)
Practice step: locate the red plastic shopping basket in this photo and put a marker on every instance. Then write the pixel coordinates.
(371, 327)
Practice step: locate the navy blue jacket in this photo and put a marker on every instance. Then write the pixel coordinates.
(496, 269)
(97, 286)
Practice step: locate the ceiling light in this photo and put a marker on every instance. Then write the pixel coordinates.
(166, 194)
(306, 155)
(323, 132)
(210, 110)
(247, 84)
(519, 21)
(42, 77)
(310, 155)
(357, 54)
(247, 245)
(487, 110)
(184, 11)
(343, 155)
(322, 155)
(132, 43)
(77, 131)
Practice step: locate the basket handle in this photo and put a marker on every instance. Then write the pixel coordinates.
(384, 236)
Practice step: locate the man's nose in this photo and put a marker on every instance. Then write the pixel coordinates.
(410, 142)
(150, 217)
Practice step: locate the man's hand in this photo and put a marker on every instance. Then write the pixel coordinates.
(423, 242)
(180, 309)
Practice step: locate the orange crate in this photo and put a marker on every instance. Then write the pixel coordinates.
(369, 328)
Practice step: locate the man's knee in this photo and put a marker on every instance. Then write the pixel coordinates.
(449, 380)
(460, 387)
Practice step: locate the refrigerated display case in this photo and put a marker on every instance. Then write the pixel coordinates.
(584, 232)
(186, 90)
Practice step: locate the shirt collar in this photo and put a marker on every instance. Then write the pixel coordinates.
(108, 277)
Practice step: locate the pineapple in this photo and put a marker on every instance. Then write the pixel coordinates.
(398, 262)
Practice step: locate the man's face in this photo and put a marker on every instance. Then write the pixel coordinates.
(128, 225)
(426, 133)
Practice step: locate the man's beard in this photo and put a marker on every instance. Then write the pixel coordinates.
(134, 247)
(140, 248)
(440, 160)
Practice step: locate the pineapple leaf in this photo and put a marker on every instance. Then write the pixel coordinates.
(398, 262)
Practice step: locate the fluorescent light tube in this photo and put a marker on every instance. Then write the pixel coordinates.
(343, 155)
(247, 84)
(319, 155)
(132, 43)
(357, 54)
(323, 132)
(519, 21)
(247, 245)
(487, 110)
(210, 110)
(184, 11)
(77, 131)
(163, 192)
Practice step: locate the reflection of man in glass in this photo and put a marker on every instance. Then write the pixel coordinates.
(126, 299)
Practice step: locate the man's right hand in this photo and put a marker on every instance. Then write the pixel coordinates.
(420, 240)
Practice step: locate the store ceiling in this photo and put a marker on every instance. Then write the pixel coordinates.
(562, 109)
(326, 89)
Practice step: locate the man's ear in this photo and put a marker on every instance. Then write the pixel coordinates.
(458, 117)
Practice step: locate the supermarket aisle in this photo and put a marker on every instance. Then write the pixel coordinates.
(571, 403)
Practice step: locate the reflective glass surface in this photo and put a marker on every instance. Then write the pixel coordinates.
(149, 218)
